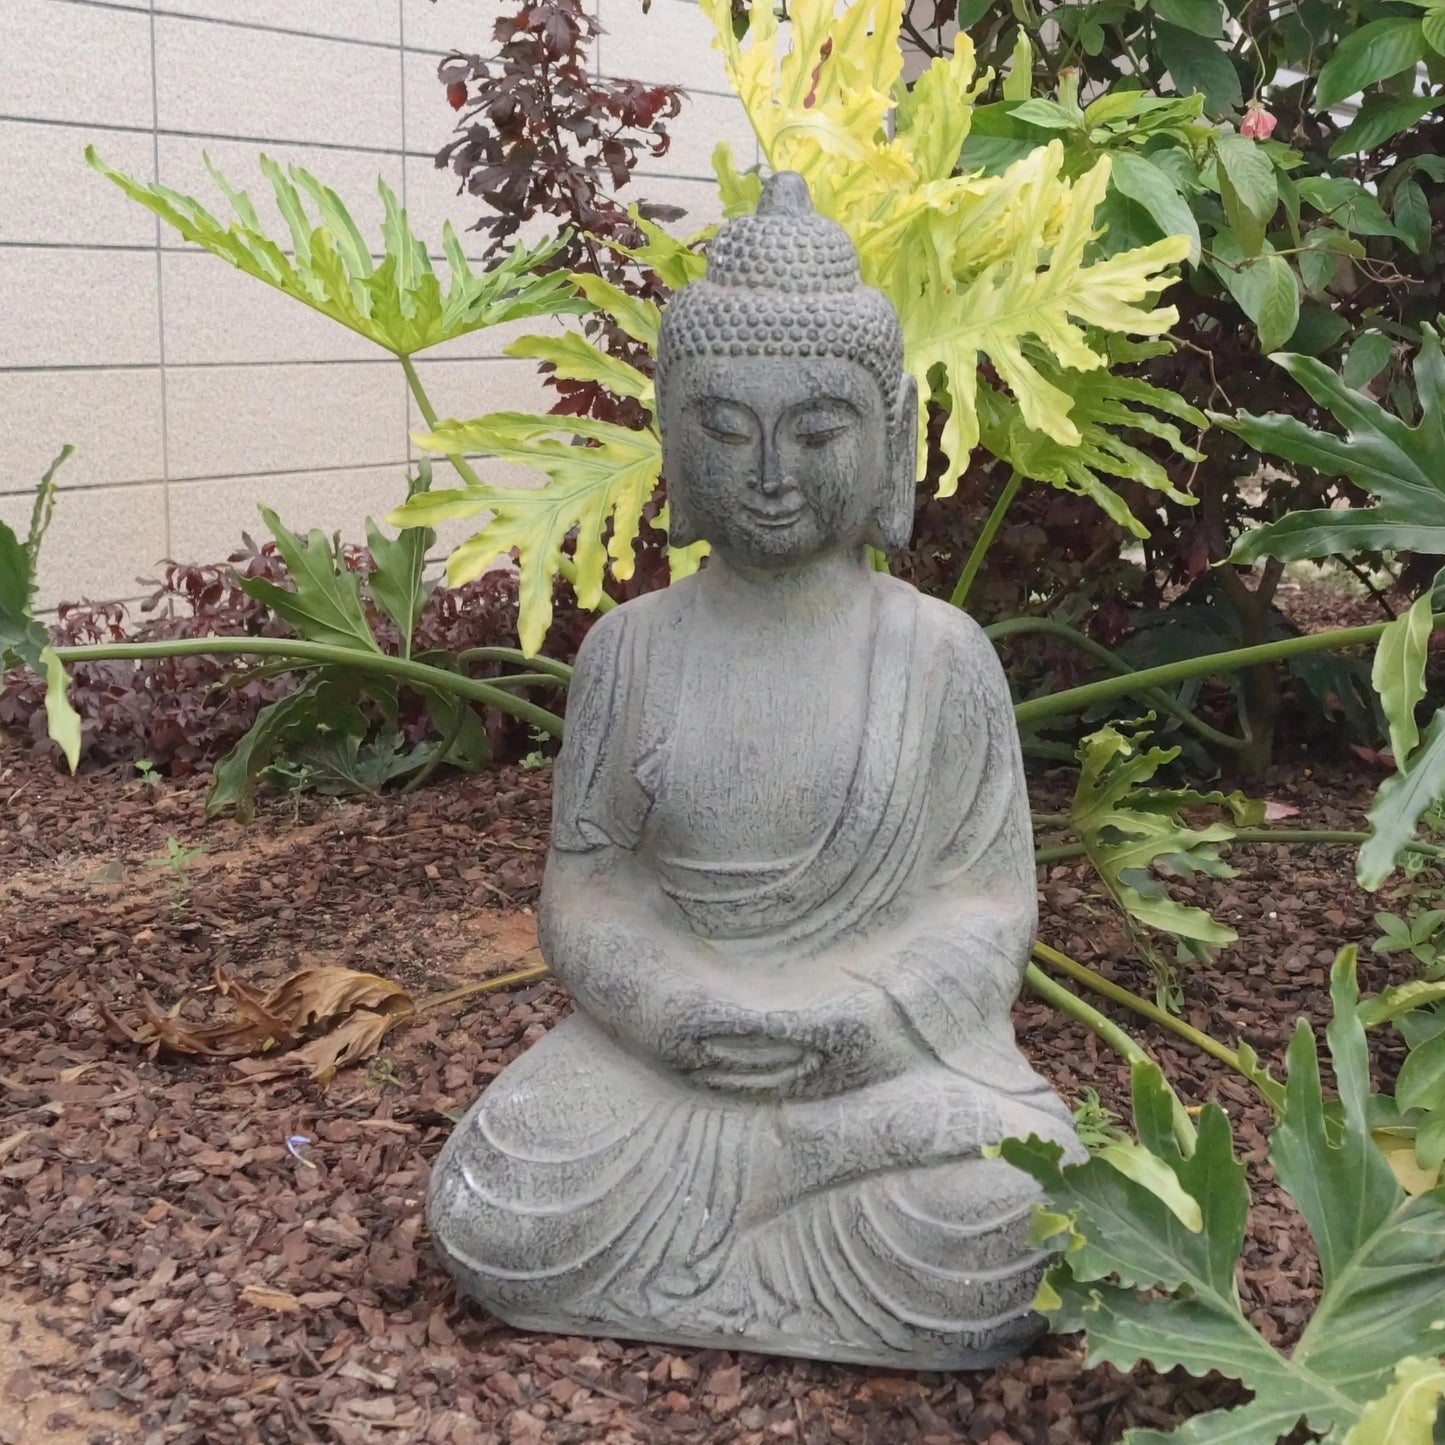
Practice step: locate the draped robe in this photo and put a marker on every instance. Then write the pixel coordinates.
(596, 1191)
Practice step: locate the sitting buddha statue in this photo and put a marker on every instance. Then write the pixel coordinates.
(790, 887)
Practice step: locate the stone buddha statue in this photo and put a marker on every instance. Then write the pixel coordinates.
(790, 887)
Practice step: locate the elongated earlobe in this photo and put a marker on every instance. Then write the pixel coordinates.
(892, 524)
(680, 530)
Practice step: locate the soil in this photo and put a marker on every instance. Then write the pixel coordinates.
(172, 1271)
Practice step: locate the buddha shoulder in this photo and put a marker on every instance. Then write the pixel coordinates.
(949, 638)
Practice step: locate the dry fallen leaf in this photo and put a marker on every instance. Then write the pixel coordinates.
(361, 1007)
(355, 1037)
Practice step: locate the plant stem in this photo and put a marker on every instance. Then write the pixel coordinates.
(1076, 699)
(301, 653)
(527, 679)
(462, 466)
(560, 670)
(529, 974)
(1118, 1039)
(465, 470)
(985, 539)
(1283, 837)
(1080, 973)
(568, 568)
(1018, 626)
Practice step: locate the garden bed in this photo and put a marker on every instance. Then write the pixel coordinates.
(171, 1273)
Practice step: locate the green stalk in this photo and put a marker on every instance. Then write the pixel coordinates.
(985, 539)
(1077, 699)
(1118, 1039)
(462, 466)
(306, 654)
(1080, 973)
(527, 679)
(559, 670)
(1284, 837)
(1018, 626)
(568, 568)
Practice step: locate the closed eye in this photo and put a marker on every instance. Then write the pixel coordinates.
(821, 436)
(725, 434)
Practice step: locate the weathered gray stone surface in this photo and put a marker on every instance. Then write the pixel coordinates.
(791, 889)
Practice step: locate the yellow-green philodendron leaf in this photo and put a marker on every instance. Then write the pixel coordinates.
(1398, 674)
(398, 302)
(1405, 1413)
(608, 480)
(978, 267)
(24, 639)
(575, 358)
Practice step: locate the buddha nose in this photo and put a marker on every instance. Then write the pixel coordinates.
(772, 481)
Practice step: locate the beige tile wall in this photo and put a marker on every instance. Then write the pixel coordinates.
(191, 392)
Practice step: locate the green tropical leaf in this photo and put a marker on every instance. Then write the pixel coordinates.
(1265, 288)
(1405, 1413)
(1381, 117)
(1432, 27)
(576, 359)
(1348, 204)
(1137, 177)
(1402, 466)
(1203, 17)
(676, 261)
(1413, 220)
(1400, 801)
(1382, 1255)
(1421, 1082)
(1368, 356)
(1128, 829)
(637, 316)
(398, 304)
(1199, 65)
(325, 605)
(396, 583)
(1372, 53)
(1400, 999)
(328, 698)
(1249, 188)
(1104, 406)
(1398, 675)
(610, 479)
(24, 639)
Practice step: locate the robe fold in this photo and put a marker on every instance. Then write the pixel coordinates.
(595, 1191)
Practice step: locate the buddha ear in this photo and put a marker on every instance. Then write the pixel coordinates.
(680, 530)
(892, 524)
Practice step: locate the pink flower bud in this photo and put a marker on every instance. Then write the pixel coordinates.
(1258, 123)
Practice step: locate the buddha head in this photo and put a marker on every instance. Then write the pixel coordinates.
(788, 422)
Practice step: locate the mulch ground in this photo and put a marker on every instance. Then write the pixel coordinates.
(171, 1272)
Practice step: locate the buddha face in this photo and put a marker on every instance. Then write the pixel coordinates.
(776, 461)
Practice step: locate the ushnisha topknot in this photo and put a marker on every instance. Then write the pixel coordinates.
(784, 282)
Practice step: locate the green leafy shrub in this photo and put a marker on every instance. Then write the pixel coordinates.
(1146, 1281)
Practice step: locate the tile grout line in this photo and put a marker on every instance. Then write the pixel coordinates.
(160, 296)
(135, 482)
(401, 70)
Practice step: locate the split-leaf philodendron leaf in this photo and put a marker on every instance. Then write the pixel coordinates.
(326, 264)
(1128, 829)
(979, 267)
(1145, 1287)
(604, 482)
(1401, 466)
(24, 640)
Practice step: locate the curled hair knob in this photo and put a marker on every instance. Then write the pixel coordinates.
(785, 194)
